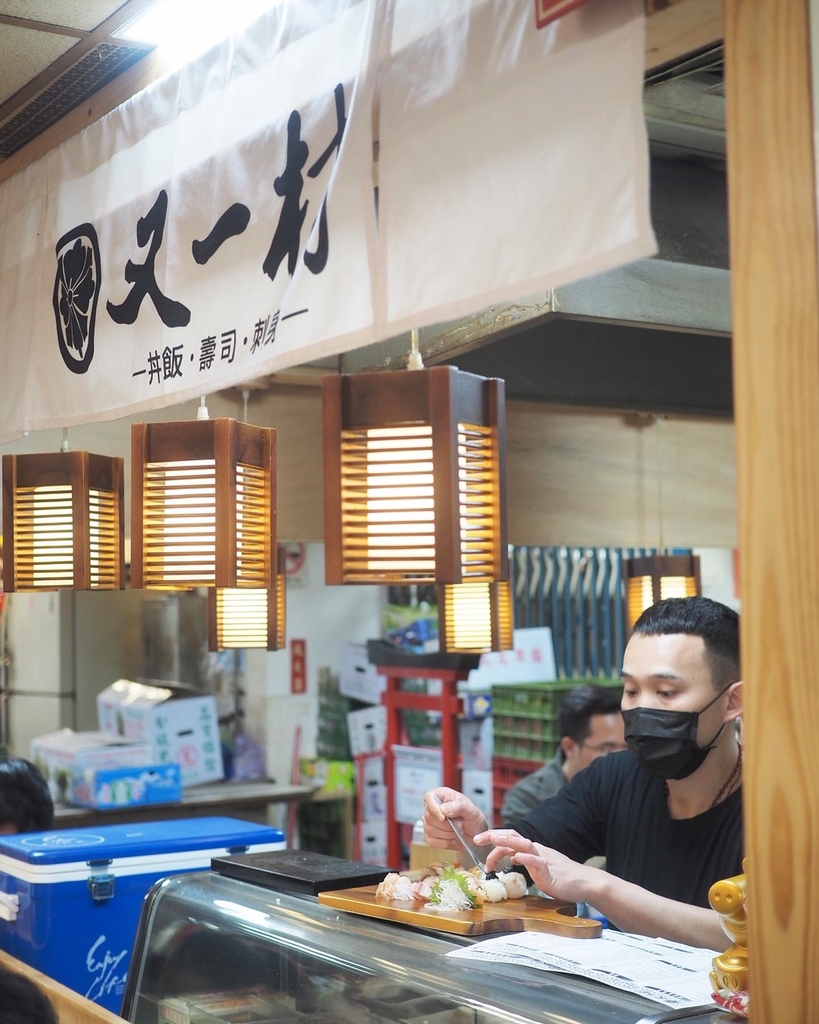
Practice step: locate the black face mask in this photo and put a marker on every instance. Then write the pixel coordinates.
(665, 742)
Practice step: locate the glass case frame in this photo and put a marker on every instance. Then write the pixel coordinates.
(212, 949)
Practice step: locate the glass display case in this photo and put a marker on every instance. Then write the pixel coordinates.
(216, 949)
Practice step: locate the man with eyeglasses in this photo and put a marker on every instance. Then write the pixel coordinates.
(589, 725)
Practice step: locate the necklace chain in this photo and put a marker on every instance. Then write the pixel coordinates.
(728, 786)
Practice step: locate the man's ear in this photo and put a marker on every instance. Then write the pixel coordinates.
(734, 709)
(568, 746)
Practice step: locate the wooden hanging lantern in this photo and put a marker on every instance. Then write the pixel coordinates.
(203, 504)
(248, 618)
(414, 477)
(653, 578)
(475, 617)
(63, 520)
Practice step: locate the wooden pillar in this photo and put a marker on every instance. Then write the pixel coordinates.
(775, 294)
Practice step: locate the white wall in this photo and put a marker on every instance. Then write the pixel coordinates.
(326, 617)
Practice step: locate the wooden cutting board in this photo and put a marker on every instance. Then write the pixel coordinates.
(528, 914)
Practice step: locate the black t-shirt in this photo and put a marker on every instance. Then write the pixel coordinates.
(615, 809)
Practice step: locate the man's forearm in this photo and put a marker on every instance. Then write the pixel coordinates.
(634, 909)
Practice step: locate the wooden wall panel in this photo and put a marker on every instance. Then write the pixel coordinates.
(595, 479)
(775, 299)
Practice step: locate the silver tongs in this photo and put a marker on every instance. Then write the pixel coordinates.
(467, 846)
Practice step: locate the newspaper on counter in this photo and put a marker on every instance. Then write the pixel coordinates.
(656, 969)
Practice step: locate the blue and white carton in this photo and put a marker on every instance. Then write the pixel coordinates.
(108, 789)
(70, 900)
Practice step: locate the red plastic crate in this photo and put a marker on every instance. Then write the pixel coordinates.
(506, 771)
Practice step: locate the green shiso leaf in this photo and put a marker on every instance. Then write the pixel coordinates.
(452, 875)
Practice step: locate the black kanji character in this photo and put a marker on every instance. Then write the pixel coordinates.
(270, 336)
(207, 352)
(172, 362)
(287, 237)
(142, 276)
(232, 222)
(259, 329)
(154, 368)
(228, 345)
(316, 261)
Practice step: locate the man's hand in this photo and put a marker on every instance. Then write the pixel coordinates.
(556, 875)
(453, 805)
(627, 906)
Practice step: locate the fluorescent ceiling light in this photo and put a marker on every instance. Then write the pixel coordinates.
(182, 29)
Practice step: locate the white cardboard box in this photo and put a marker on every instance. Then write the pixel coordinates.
(184, 730)
(372, 837)
(367, 729)
(416, 769)
(59, 754)
(357, 678)
(372, 791)
(477, 785)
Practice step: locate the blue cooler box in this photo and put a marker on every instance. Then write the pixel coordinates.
(70, 901)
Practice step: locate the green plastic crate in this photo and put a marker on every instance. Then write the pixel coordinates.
(524, 716)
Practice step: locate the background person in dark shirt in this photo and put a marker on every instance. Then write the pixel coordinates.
(667, 815)
(25, 802)
(589, 725)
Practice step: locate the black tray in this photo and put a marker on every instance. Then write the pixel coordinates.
(380, 652)
(298, 871)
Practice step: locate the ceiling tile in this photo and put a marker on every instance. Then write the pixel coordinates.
(25, 53)
(82, 14)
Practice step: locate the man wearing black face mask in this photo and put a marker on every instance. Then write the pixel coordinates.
(667, 814)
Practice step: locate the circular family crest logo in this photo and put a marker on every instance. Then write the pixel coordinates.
(76, 291)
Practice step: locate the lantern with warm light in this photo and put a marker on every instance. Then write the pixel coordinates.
(203, 504)
(653, 578)
(248, 618)
(63, 522)
(475, 617)
(414, 477)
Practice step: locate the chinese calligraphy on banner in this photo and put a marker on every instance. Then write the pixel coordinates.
(223, 224)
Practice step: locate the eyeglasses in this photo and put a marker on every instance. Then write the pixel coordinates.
(604, 748)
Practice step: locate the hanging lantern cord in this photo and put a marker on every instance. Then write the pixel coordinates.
(414, 362)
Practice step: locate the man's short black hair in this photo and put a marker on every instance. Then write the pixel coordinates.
(22, 1001)
(25, 802)
(716, 623)
(578, 705)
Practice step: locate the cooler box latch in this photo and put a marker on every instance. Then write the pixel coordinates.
(101, 886)
(9, 907)
(234, 850)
